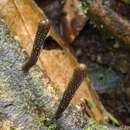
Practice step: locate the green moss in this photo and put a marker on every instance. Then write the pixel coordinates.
(93, 125)
(4, 66)
(3, 89)
(43, 122)
(84, 7)
(39, 121)
(24, 100)
(52, 127)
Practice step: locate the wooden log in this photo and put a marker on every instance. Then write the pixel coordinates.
(22, 17)
(114, 23)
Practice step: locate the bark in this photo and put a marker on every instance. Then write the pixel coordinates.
(118, 26)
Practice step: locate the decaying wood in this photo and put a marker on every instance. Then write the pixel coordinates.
(22, 18)
(118, 26)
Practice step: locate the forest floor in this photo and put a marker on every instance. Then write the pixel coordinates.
(26, 101)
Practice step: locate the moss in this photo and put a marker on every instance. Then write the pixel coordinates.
(52, 127)
(84, 7)
(24, 100)
(3, 89)
(39, 121)
(93, 125)
(4, 66)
